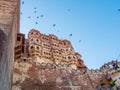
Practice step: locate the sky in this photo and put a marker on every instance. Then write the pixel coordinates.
(92, 26)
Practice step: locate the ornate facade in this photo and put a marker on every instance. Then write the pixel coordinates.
(48, 49)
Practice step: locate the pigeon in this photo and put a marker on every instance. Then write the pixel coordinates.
(36, 22)
(54, 25)
(119, 9)
(37, 16)
(29, 17)
(34, 8)
(70, 34)
(35, 11)
(41, 15)
(68, 9)
(22, 2)
(80, 41)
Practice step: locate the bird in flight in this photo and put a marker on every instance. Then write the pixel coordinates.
(80, 41)
(54, 25)
(29, 17)
(22, 2)
(70, 34)
(36, 23)
(20, 13)
(68, 9)
(118, 9)
(41, 15)
(37, 16)
(35, 11)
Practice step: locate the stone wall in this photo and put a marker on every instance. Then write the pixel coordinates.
(32, 75)
(9, 26)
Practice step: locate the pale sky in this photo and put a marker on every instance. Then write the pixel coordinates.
(94, 25)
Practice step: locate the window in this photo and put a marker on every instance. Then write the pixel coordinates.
(31, 39)
(24, 60)
(73, 57)
(36, 33)
(37, 40)
(18, 38)
(31, 33)
(79, 63)
(69, 57)
(31, 47)
(37, 47)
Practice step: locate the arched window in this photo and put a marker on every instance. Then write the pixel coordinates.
(37, 33)
(37, 40)
(31, 33)
(69, 57)
(37, 47)
(31, 47)
(31, 39)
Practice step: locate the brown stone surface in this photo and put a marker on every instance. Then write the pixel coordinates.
(3, 39)
(52, 64)
(30, 74)
(9, 24)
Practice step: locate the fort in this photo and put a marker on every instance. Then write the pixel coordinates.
(44, 62)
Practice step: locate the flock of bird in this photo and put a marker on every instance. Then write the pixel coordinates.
(54, 25)
(35, 12)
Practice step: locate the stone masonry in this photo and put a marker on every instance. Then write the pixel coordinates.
(9, 26)
(48, 63)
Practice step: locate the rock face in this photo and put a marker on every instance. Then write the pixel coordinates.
(45, 62)
(9, 26)
(31, 75)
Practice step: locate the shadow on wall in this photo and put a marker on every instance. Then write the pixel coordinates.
(3, 39)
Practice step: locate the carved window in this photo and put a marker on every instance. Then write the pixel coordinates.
(31, 33)
(18, 38)
(37, 47)
(31, 47)
(80, 63)
(69, 57)
(37, 40)
(36, 33)
(31, 39)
